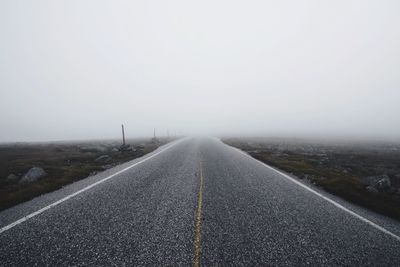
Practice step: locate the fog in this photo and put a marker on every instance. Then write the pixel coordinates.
(78, 69)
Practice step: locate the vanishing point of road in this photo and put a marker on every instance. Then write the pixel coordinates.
(195, 202)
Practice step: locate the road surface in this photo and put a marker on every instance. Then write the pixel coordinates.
(195, 202)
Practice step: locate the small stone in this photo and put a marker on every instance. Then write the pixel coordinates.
(33, 175)
(12, 177)
(103, 158)
(380, 182)
(372, 189)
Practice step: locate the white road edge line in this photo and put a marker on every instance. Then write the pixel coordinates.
(380, 228)
(33, 214)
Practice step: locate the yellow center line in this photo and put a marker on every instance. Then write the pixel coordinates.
(197, 230)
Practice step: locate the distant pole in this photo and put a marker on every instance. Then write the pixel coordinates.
(123, 135)
(154, 133)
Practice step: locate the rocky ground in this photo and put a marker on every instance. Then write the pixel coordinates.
(31, 169)
(364, 173)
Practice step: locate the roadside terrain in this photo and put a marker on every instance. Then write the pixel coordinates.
(367, 174)
(28, 170)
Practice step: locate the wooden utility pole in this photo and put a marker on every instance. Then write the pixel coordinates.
(154, 133)
(123, 135)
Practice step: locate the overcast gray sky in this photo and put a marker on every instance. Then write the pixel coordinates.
(78, 69)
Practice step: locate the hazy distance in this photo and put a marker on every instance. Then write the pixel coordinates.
(78, 69)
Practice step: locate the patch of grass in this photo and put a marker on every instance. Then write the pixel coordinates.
(338, 174)
(63, 163)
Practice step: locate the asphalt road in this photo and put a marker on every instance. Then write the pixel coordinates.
(194, 202)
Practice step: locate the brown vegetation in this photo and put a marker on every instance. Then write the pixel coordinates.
(337, 168)
(64, 163)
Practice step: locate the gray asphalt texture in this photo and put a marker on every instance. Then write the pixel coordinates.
(145, 216)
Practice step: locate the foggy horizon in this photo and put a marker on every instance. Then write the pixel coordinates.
(73, 70)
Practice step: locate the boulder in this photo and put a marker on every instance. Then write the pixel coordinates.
(372, 189)
(383, 184)
(33, 175)
(107, 166)
(123, 148)
(379, 182)
(154, 140)
(103, 158)
(93, 148)
(12, 177)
